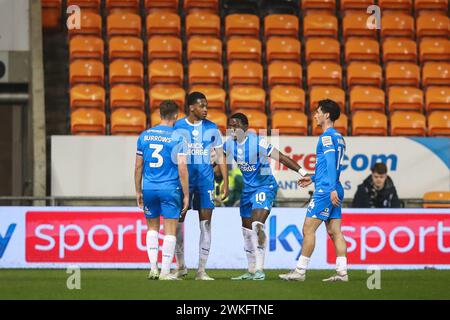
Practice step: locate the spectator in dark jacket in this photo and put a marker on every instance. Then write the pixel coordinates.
(377, 190)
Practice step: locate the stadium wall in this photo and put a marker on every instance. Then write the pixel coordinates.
(93, 237)
(104, 166)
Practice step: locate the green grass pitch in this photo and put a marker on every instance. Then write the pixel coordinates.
(133, 284)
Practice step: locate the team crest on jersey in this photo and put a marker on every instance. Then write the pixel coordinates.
(326, 141)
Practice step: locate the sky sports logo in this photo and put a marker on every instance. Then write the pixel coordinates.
(5, 239)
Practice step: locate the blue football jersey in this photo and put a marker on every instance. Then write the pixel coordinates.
(252, 158)
(330, 152)
(201, 138)
(159, 148)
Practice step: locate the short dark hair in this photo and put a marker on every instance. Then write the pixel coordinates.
(379, 168)
(331, 107)
(193, 97)
(240, 116)
(167, 109)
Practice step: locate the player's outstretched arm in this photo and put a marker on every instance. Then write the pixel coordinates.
(221, 161)
(138, 180)
(184, 179)
(288, 162)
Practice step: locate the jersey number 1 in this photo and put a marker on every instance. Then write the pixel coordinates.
(340, 157)
(157, 148)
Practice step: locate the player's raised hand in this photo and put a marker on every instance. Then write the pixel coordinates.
(335, 199)
(140, 201)
(304, 181)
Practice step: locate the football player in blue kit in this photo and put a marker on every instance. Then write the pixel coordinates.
(328, 195)
(251, 153)
(161, 180)
(203, 138)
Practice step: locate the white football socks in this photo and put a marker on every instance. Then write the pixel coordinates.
(302, 264)
(152, 248)
(341, 265)
(204, 244)
(249, 249)
(259, 242)
(179, 248)
(168, 251)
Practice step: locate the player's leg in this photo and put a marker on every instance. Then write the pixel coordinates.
(205, 217)
(309, 240)
(259, 217)
(171, 209)
(181, 270)
(152, 211)
(340, 246)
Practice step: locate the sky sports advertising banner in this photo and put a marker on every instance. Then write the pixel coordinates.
(93, 237)
(104, 166)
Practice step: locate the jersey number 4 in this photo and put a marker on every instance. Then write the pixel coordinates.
(157, 148)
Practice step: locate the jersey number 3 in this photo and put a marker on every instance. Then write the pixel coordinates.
(157, 148)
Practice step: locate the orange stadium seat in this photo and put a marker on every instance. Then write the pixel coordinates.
(219, 118)
(320, 25)
(283, 48)
(402, 74)
(329, 5)
(366, 98)
(201, 5)
(281, 25)
(202, 24)
(204, 48)
(90, 24)
(128, 122)
(284, 73)
(87, 121)
(436, 196)
(126, 71)
(356, 4)
(86, 5)
(322, 49)
(257, 120)
(362, 49)
(287, 97)
(432, 25)
(165, 72)
(126, 48)
(158, 94)
(324, 73)
(364, 73)
(214, 96)
(244, 49)
(436, 74)
(397, 25)
(408, 123)
(127, 96)
(437, 98)
(163, 23)
(404, 5)
(420, 5)
(434, 49)
(242, 25)
(155, 117)
(318, 93)
(51, 14)
(247, 97)
(161, 5)
(395, 49)
(87, 96)
(122, 6)
(405, 98)
(124, 24)
(439, 123)
(86, 71)
(86, 47)
(164, 47)
(369, 123)
(205, 73)
(245, 73)
(290, 122)
(354, 25)
(341, 125)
